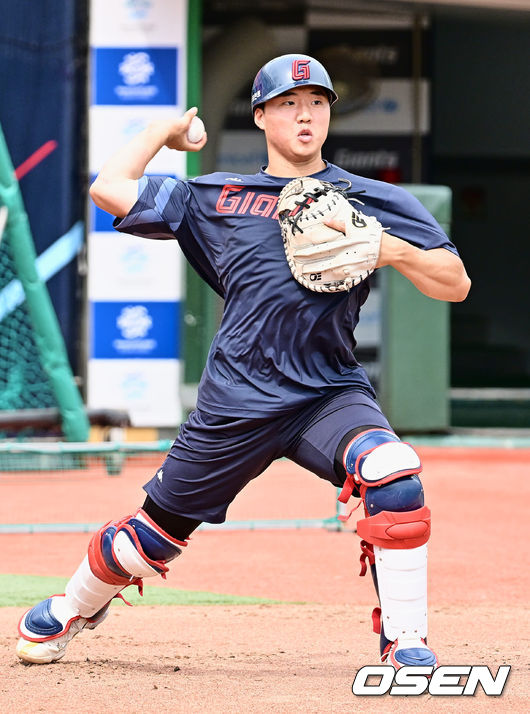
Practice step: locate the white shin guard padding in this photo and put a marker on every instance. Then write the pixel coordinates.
(402, 585)
(86, 594)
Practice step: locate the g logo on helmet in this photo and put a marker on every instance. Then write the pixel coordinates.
(300, 69)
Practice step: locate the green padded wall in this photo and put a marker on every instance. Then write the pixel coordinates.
(415, 342)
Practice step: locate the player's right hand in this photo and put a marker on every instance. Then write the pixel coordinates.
(177, 133)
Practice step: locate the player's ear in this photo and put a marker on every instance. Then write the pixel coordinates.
(258, 118)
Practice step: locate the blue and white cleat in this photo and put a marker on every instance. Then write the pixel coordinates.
(411, 653)
(47, 628)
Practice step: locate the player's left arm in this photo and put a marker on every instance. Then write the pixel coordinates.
(437, 272)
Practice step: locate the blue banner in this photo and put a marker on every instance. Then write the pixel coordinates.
(135, 330)
(135, 75)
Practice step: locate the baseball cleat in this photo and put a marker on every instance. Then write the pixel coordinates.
(47, 628)
(412, 653)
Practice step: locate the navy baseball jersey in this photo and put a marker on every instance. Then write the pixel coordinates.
(279, 345)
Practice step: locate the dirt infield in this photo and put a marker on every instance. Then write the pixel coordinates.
(279, 658)
(243, 659)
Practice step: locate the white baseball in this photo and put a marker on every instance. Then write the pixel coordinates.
(196, 130)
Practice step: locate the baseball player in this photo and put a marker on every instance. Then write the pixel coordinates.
(281, 379)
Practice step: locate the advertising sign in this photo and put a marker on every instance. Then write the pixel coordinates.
(138, 74)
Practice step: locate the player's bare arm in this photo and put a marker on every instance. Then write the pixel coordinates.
(115, 190)
(437, 273)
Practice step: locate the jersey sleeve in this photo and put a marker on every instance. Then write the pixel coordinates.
(404, 216)
(160, 212)
(159, 208)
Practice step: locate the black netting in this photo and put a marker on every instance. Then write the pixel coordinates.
(23, 382)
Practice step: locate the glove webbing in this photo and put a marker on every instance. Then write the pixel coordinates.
(310, 196)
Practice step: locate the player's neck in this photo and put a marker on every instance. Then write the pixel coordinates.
(283, 168)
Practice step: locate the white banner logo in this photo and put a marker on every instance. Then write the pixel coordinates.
(134, 322)
(136, 68)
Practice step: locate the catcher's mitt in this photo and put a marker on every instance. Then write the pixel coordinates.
(321, 258)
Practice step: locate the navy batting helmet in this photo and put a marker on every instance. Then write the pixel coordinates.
(288, 71)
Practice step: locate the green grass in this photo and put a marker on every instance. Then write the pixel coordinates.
(26, 590)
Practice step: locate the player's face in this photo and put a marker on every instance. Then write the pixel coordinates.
(295, 123)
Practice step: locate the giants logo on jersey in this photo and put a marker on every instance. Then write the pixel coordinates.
(300, 69)
(232, 201)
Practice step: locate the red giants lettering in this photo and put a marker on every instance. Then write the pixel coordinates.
(224, 203)
(300, 69)
(262, 204)
(246, 202)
